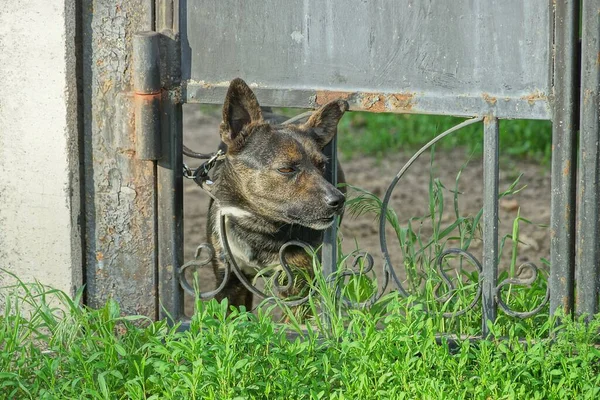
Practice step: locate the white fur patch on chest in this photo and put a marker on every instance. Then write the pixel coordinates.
(235, 212)
(241, 251)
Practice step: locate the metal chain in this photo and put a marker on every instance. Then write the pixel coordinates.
(200, 174)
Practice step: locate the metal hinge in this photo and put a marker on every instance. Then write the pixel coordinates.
(147, 93)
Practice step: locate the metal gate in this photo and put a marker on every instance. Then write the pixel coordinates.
(492, 60)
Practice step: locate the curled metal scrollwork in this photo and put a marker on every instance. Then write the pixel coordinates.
(231, 266)
(289, 276)
(533, 269)
(195, 264)
(448, 282)
(362, 270)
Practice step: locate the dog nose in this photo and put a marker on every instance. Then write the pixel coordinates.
(335, 200)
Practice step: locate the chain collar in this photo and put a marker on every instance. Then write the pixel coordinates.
(200, 174)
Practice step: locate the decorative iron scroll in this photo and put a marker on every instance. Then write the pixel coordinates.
(521, 282)
(366, 263)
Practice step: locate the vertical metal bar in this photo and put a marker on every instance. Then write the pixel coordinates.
(329, 251)
(169, 171)
(588, 224)
(564, 126)
(170, 212)
(490, 221)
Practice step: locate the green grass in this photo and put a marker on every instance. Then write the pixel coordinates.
(388, 352)
(52, 347)
(384, 134)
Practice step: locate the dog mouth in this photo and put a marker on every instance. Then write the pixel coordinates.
(316, 223)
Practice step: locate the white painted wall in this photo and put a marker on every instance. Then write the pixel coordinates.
(39, 175)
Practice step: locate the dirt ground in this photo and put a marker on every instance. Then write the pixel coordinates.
(409, 199)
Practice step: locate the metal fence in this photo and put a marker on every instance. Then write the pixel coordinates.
(493, 60)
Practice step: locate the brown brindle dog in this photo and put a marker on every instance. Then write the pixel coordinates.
(270, 188)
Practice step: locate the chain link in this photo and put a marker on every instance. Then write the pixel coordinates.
(200, 174)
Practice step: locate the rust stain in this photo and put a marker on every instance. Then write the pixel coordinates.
(325, 96)
(598, 59)
(402, 101)
(532, 98)
(567, 168)
(129, 153)
(147, 96)
(99, 256)
(488, 119)
(373, 102)
(491, 100)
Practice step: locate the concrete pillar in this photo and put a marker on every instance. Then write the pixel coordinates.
(40, 233)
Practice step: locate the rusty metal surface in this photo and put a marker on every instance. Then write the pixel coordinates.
(529, 106)
(119, 189)
(147, 126)
(564, 128)
(588, 224)
(460, 57)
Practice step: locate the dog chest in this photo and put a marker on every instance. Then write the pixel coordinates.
(246, 257)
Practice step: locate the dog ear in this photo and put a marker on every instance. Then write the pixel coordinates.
(323, 122)
(240, 109)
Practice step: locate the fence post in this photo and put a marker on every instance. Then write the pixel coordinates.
(588, 224)
(120, 192)
(564, 127)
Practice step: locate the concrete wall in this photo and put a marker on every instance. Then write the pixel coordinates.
(39, 146)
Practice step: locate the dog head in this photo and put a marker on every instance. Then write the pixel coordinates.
(279, 169)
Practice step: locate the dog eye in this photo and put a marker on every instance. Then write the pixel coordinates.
(286, 170)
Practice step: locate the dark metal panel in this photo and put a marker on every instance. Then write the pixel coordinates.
(564, 127)
(588, 225)
(491, 55)
(119, 188)
(490, 220)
